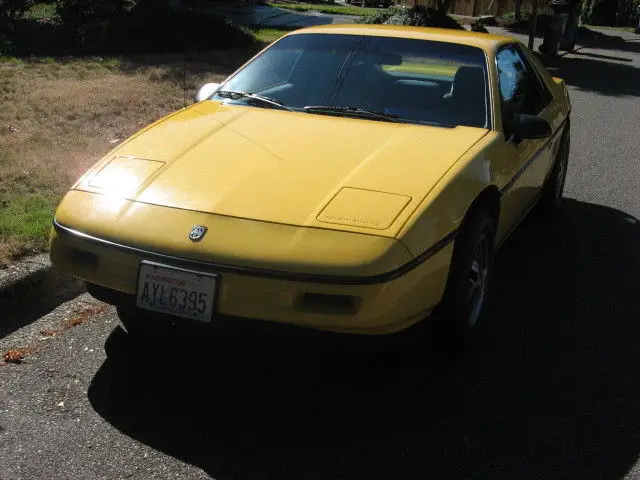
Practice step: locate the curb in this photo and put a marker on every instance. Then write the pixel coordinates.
(33, 282)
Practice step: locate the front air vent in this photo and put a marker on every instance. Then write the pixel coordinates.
(328, 304)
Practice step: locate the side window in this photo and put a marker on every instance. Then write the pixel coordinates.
(545, 95)
(520, 87)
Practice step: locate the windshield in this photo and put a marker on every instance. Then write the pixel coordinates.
(415, 81)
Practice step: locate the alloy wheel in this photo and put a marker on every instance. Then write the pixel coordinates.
(478, 275)
(561, 176)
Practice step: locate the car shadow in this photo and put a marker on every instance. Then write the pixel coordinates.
(587, 37)
(580, 53)
(549, 390)
(586, 71)
(593, 39)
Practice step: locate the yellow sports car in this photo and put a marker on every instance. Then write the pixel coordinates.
(346, 178)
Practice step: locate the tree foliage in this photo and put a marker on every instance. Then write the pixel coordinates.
(80, 12)
(599, 12)
(11, 10)
(119, 26)
(628, 13)
(610, 12)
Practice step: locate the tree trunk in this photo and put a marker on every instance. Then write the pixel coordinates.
(443, 6)
(534, 22)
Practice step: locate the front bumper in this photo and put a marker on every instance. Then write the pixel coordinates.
(380, 303)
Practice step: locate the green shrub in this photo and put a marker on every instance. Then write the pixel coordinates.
(511, 16)
(478, 27)
(80, 12)
(137, 31)
(380, 17)
(418, 16)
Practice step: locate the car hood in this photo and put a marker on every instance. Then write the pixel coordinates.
(284, 167)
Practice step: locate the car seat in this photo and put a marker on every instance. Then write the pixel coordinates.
(467, 103)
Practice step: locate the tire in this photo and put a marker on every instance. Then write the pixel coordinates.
(552, 193)
(460, 312)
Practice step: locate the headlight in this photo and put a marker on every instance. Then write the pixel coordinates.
(122, 176)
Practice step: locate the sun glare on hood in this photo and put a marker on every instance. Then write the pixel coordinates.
(123, 176)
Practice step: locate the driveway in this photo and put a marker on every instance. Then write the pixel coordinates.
(550, 391)
(278, 17)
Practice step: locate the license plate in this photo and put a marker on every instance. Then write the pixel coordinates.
(176, 291)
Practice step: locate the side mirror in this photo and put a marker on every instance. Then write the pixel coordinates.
(530, 127)
(206, 91)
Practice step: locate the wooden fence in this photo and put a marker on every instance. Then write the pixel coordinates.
(474, 8)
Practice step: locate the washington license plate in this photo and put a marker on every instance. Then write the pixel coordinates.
(176, 291)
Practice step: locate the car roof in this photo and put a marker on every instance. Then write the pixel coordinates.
(486, 41)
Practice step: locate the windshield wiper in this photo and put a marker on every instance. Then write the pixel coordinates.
(352, 112)
(234, 95)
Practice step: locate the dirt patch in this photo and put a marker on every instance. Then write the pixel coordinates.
(78, 319)
(18, 354)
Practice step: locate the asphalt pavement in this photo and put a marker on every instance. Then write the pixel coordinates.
(267, 16)
(551, 389)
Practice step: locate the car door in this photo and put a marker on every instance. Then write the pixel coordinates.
(523, 164)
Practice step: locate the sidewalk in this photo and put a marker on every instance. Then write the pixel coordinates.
(267, 16)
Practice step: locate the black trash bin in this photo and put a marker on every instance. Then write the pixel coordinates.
(570, 9)
(553, 30)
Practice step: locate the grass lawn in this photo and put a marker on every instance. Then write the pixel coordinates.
(61, 115)
(619, 29)
(340, 9)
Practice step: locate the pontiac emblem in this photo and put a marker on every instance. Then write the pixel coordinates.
(197, 232)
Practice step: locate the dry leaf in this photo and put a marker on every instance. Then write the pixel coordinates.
(16, 355)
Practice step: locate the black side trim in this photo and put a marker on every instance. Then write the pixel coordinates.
(528, 163)
(257, 272)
